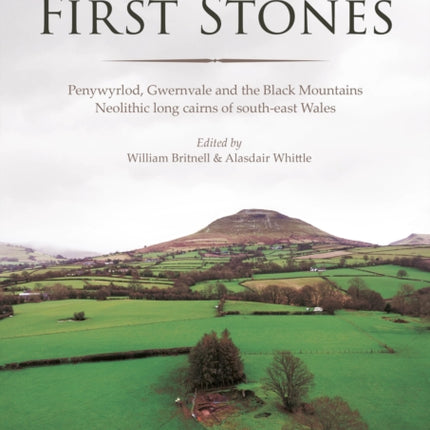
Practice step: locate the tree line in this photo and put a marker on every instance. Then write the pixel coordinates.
(328, 296)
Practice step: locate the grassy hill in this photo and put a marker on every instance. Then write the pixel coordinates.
(251, 226)
(15, 254)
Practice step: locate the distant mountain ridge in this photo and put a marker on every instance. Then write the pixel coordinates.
(414, 239)
(254, 226)
(27, 254)
(17, 254)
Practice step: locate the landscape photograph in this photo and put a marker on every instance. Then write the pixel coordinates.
(214, 215)
(256, 321)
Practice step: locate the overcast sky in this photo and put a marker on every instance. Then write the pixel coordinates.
(66, 181)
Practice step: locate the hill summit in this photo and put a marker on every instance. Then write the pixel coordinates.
(254, 226)
(414, 239)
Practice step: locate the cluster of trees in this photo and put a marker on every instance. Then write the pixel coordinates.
(416, 262)
(214, 362)
(215, 290)
(362, 298)
(322, 294)
(10, 299)
(326, 295)
(409, 301)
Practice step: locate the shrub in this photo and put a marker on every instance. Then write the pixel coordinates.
(79, 316)
(6, 310)
(326, 413)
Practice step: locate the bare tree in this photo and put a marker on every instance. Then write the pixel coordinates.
(406, 301)
(273, 294)
(289, 378)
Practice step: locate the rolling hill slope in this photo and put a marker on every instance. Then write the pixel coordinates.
(254, 226)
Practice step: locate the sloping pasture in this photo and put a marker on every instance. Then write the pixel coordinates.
(347, 353)
(80, 282)
(382, 279)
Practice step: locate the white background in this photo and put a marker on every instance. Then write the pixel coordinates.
(65, 180)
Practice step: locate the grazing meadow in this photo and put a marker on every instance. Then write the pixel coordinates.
(378, 365)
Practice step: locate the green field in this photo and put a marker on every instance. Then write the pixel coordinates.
(234, 285)
(371, 254)
(186, 261)
(391, 270)
(327, 273)
(387, 287)
(382, 279)
(81, 282)
(101, 396)
(346, 353)
(349, 353)
(249, 307)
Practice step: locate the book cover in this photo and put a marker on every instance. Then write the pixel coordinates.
(127, 123)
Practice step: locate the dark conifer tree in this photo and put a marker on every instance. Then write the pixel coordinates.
(231, 365)
(215, 362)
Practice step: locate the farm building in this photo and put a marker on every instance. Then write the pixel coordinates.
(317, 269)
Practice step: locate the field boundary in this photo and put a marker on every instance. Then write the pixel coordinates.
(20, 336)
(382, 344)
(390, 276)
(94, 358)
